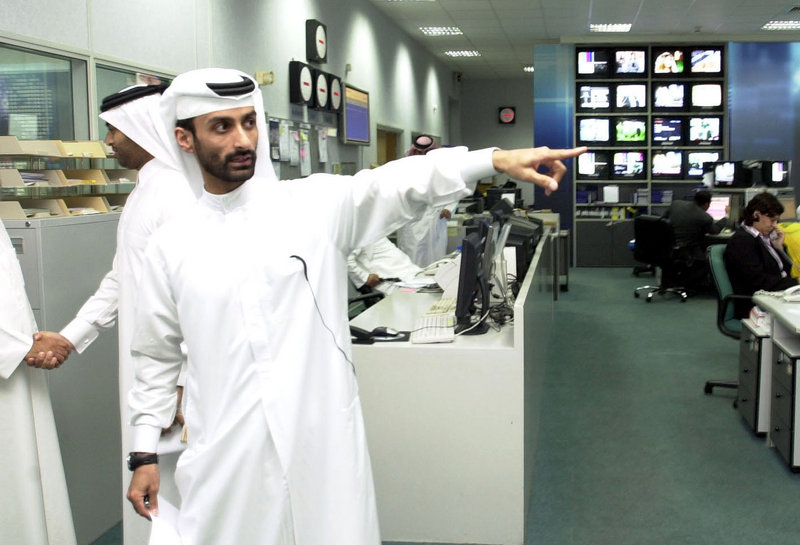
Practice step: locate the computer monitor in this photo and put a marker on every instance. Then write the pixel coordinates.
(594, 131)
(718, 205)
(472, 284)
(630, 97)
(592, 63)
(593, 165)
(593, 97)
(668, 61)
(669, 96)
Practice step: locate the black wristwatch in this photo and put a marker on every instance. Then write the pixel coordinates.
(137, 460)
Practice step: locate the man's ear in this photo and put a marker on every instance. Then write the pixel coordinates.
(185, 139)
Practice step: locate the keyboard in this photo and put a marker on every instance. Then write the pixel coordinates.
(443, 306)
(434, 328)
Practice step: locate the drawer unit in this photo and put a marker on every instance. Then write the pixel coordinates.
(753, 394)
(783, 405)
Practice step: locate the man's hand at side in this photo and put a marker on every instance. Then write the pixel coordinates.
(524, 164)
(143, 490)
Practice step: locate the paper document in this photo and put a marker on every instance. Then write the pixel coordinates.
(164, 530)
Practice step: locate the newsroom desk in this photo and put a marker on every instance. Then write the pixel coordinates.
(452, 428)
(783, 376)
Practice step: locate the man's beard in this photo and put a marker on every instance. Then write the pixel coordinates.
(222, 170)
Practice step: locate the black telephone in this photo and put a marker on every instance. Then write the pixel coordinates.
(360, 336)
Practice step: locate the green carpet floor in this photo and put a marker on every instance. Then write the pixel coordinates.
(631, 451)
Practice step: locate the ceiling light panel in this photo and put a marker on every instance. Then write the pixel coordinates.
(440, 30)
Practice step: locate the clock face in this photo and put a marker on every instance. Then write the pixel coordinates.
(306, 87)
(316, 41)
(321, 90)
(507, 114)
(335, 94)
(321, 42)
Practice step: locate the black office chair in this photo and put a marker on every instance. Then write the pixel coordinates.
(359, 303)
(727, 323)
(655, 245)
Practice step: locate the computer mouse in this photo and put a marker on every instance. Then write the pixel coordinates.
(382, 331)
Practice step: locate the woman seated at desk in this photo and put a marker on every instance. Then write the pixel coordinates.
(754, 257)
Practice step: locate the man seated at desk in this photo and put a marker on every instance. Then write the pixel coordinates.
(754, 257)
(378, 266)
(691, 223)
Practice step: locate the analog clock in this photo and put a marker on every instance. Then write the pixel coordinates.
(301, 86)
(507, 115)
(316, 41)
(321, 91)
(334, 94)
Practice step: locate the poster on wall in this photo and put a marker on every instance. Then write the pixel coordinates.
(275, 139)
(322, 137)
(305, 153)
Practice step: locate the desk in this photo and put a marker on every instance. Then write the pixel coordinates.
(452, 428)
(783, 376)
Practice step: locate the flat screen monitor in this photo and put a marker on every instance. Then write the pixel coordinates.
(667, 164)
(629, 165)
(669, 96)
(706, 61)
(472, 284)
(594, 131)
(668, 61)
(668, 131)
(593, 165)
(717, 208)
(630, 130)
(593, 97)
(695, 161)
(630, 62)
(706, 96)
(354, 118)
(592, 63)
(705, 130)
(630, 97)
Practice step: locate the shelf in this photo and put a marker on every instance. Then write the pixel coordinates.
(606, 204)
(611, 182)
(59, 192)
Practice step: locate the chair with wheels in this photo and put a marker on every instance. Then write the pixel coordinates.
(727, 323)
(655, 245)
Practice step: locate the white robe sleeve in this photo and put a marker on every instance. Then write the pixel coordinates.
(97, 313)
(157, 354)
(358, 274)
(16, 318)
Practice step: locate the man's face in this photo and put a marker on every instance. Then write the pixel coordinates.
(128, 153)
(225, 144)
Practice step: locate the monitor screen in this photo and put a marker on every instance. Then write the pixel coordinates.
(594, 97)
(629, 164)
(706, 95)
(668, 61)
(667, 164)
(354, 117)
(630, 61)
(472, 283)
(592, 63)
(696, 159)
(593, 130)
(717, 208)
(706, 61)
(725, 173)
(668, 96)
(668, 130)
(704, 130)
(779, 171)
(593, 165)
(629, 130)
(631, 96)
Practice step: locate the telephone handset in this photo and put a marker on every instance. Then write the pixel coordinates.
(792, 294)
(360, 336)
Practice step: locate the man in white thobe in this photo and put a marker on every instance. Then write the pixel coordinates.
(37, 509)
(379, 265)
(140, 141)
(277, 453)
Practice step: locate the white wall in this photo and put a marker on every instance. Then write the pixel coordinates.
(409, 89)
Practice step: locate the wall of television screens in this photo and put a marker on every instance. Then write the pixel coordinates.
(649, 112)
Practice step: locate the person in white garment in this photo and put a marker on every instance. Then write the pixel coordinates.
(378, 266)
(277, 452)
(32, 479)
(425, 240)
(140, 141)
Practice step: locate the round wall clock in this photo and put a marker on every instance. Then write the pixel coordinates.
(316, 41)
(321, 94)
(507, 115)
(301, 86)
(335, 94)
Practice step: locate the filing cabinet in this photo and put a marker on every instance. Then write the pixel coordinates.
(755, 360)
(783, 408)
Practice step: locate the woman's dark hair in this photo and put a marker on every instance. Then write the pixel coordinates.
(763, 203)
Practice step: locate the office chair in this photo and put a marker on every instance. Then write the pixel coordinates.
(655, 245)
(726, 322)
(359, 303)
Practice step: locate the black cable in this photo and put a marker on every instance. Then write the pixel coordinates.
(319, 312)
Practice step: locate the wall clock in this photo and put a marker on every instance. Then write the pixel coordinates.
(334, 94)
(506, 115)
(301, 86)
(321, 91)
(316, 41)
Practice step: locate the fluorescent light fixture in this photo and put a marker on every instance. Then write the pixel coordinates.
(610, 27)
(462, 53)
(782, 25)
(528, 68)
(441, 30)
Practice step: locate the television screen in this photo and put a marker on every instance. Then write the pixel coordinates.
(630, 130)
(631, 96)
(779, 171)
(669, 61)
(696, 159)
(629, 164)
(354, 117)
(718, 206)
(593, 130)
(667, 130)
(630, 61)
(668, 96)
(592, 63)
(704, 130)
(593, 165)
(725, 173)
(667, 164)
(594, 97)
(706, 61)
(706, 95)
